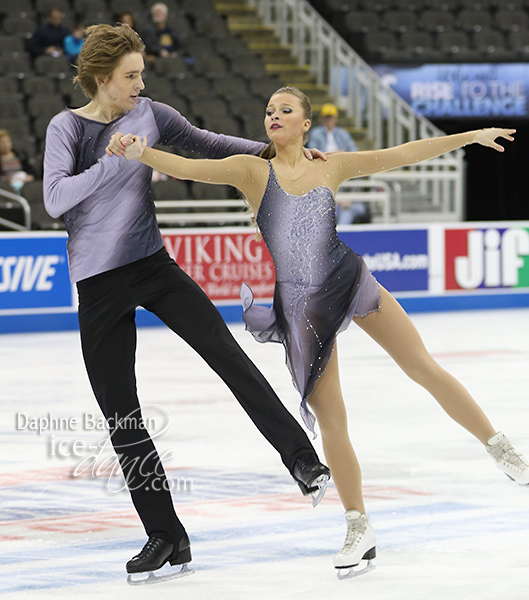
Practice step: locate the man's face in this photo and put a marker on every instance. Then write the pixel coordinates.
(123, 87)
(159, 15)
(330, 122)
(55, 18)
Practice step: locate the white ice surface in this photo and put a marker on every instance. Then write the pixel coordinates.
(449, 524)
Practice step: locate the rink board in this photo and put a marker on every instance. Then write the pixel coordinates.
(455, 266)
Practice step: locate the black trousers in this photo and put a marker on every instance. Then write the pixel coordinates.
(107, 306)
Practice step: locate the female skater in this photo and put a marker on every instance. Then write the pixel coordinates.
(118, 261)
(321, 285)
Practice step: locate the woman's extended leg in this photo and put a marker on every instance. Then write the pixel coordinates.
(327, 403)
(393, 330)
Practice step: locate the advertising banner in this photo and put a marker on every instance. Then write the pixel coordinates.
(427, 267)
(34, 274)
(487, 258)
(397, 258)
(220, 261)
(447, 91)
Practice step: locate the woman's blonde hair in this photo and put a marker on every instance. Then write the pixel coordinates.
(103, 50)
(270, 151)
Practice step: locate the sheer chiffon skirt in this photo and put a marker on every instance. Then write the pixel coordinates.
(306, 320)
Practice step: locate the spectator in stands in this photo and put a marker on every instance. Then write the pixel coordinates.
(15, 169)
(74, 42)
(127, 18)
(160, 38)
(330, 138)
(327, 136)
(49, 37)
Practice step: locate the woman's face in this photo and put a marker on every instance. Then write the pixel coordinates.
(127, 19)
(5, 144)
(284, 120)
(122, 88)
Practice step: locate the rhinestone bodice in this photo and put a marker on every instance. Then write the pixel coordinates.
(300, 233)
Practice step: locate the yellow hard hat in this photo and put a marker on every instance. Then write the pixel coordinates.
(328, 110)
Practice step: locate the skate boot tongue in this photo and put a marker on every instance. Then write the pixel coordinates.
(495, 439)
(351, 515)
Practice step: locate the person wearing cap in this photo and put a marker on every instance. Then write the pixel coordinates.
(327, 137)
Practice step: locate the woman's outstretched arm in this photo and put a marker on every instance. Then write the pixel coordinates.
(360, 164)
(233, 170)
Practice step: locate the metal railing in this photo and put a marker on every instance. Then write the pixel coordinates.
(362, 94)
(373, 191)
(23, 204)
(169, 212)
(175, 213)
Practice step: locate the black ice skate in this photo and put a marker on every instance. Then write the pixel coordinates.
(312, 477)
(154, 555)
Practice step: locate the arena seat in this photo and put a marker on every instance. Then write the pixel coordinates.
(447, 21)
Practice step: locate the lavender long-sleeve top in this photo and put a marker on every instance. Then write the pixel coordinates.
(106, 202)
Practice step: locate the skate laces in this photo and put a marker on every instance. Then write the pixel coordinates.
(505, 453)
(150, 545)
(355, 530)
(307, 461)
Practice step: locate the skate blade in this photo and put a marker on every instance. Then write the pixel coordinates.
(321, 484)
(513, 479)
(147, 578)
(350, 572)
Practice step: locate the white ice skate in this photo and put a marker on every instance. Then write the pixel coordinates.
(510, 462)
(360, 545)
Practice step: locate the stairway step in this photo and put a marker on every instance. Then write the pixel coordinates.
(291, 67)
(261, 34)
(295, 79)
(277, 57)
(317, 97)
(291, 74)
(356, 134)
(269, 46)
(314, 87)
(251, 21)
(280, 56)
(235, 9)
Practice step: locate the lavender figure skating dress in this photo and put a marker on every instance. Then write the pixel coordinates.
(321, 284)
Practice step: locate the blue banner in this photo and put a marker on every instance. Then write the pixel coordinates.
(34, 273)
(397, 258)
(446, 91)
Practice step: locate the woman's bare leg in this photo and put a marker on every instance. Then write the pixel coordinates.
(393, 330)
(327, 403)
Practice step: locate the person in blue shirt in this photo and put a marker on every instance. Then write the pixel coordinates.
(327, 137)
(74, 42)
